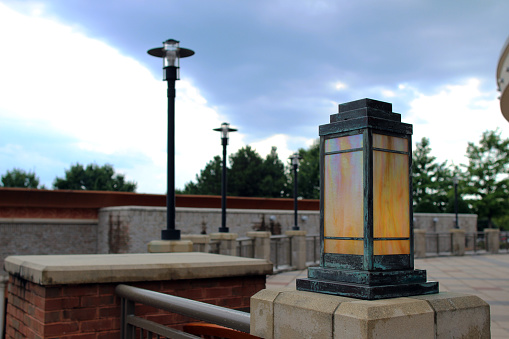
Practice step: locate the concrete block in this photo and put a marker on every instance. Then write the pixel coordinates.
(299, 314)
(387, 318)
(261, 244)
(262, 307)
(458, 242)
(298, 239)
(201, 242)
(419, 243)
(492, 240)
(459, 315)
(227, 242)
(170, 246)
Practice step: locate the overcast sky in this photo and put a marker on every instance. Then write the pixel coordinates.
(77, 84)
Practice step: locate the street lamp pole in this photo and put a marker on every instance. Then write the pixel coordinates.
(224, 129)
(455, 182)
(171, 54)
(295, 157)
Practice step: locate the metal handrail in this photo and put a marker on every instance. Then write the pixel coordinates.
(195, 309)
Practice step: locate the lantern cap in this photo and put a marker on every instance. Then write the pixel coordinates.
(365, 113)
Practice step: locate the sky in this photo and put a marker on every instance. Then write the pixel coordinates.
(77, 84)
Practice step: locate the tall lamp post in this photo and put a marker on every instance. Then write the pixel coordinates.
(455, 182)
(171, 54)
(295, 157)
(225, 130)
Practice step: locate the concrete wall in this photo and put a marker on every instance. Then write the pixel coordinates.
(443, 222)
(129, 229)
(46, 236)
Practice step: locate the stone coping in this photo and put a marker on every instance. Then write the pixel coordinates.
(113, 268)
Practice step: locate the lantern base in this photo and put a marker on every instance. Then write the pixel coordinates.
(366, 292)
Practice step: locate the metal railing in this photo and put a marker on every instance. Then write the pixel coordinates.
(245, 247)
(281, 251)
(131, 325)
(312, 249)
(504, 241)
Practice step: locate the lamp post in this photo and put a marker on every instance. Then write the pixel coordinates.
(225, 130)
(295, 157)
(366, 231)
(455, 182)
(171, 54)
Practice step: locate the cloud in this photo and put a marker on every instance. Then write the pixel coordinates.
(454, 115)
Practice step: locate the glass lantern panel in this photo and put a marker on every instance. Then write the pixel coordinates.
(388, 247)
(391, 197)
(343, 143)
(390, 143)
(343, 246)
(343, 195)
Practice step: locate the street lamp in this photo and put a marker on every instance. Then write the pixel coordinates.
(366, 231)
(225, 130)
(455, 182)
(171, 54)
(295, 157)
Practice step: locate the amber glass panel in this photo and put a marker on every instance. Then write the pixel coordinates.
(343, 196)
(384, 247)
(343, 143)
(391, 215)
(343, 246)
(390, 143)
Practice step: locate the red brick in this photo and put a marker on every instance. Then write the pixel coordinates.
(109, 335)
(97, 300)
(140, 310)
(195, 293)
(79, 314)
(61, 303)
(217, 292)
(231, 302)
(79, 290)
(99, 325)
(79, 336)
(109, 311)
(58, 329)
(38, 301)
(106, 289)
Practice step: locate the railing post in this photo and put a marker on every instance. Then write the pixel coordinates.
(227, 242)
(419, 243)
(492, 239)
(126, 309)
(261, 244)
(298, 249)
(457, 241)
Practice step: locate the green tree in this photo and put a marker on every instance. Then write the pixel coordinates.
(431, 181)
(208, 182)
(486, 177)
(245, 176)
(93, 177)
(309, 173)
(273, 180)
(19, 178)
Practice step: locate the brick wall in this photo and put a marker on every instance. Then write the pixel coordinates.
(93, 310)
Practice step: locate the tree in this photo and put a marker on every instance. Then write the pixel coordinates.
(95, 178)
(309, 172)
(245, 176)
(208, 182)
(273, 181)
(19, 178)
(486, 177)
(431, 181)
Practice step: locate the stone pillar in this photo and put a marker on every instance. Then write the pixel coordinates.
(457, 242)
(73, 296)
(492, 238)
(170, 246)
(298, 243)
(261, 244)
(280, 313)
(201, 242)
(227, 242)
(419, 243)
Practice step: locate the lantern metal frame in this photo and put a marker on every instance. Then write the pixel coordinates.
(368, 275)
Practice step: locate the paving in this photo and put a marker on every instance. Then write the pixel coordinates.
(486, 276)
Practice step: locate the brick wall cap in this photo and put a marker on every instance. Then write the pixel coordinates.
(112, 268)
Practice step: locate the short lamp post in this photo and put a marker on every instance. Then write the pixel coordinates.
(225, 130)
(171, 54)
(295, 158)
(455, 182)
(366, 218)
